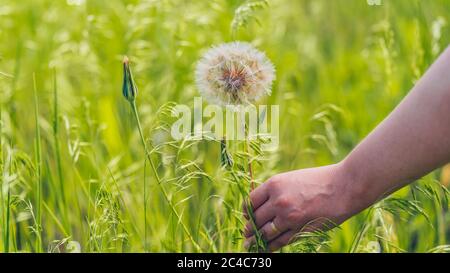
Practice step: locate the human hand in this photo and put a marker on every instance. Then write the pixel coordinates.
(300, 201)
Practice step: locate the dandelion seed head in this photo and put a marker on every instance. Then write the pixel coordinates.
(234, 74)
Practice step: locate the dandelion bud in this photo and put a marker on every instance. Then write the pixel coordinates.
(129, 88)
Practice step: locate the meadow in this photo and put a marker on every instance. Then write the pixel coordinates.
(75, 176)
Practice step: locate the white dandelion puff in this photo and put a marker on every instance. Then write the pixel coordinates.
(234, 74)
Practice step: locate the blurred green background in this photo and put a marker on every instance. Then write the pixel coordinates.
(342, 66)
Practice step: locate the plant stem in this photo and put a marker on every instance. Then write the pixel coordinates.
(1, 167)
(56, 140)
(249, 160)
(56, 219)
(360, 234)
(58, 154)
(38, 160)
(145, 205)
(158, 180)
(260, 242)
(8, 210)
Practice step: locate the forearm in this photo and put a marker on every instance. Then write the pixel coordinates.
(412, 141)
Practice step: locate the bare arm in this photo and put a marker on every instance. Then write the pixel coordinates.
(412, 141)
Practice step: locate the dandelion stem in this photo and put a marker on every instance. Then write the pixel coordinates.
(158, 179)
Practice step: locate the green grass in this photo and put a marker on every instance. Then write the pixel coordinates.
(37, 164)
(79, 164)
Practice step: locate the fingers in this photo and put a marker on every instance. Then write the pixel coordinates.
(272, 229)
(257, 198)
(263, 214)
(268, 231)
(287, 237)
(280, 241)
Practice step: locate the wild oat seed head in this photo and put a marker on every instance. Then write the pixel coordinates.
(234, 74)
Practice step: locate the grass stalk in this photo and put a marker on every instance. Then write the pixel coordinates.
(249, 160)
(38, 164)
(57, 148)
(361, 231)
(7, 225)
(1, 170)
(57, 221)
(145, 205)
(261, 244)
(158, 179)
(8, 212)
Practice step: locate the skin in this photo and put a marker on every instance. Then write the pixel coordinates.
(412, 141)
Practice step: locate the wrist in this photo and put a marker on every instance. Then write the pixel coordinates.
(355, 187)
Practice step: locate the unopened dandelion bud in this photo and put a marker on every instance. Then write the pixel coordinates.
(129, 88)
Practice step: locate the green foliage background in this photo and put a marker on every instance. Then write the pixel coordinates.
(342, 66)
